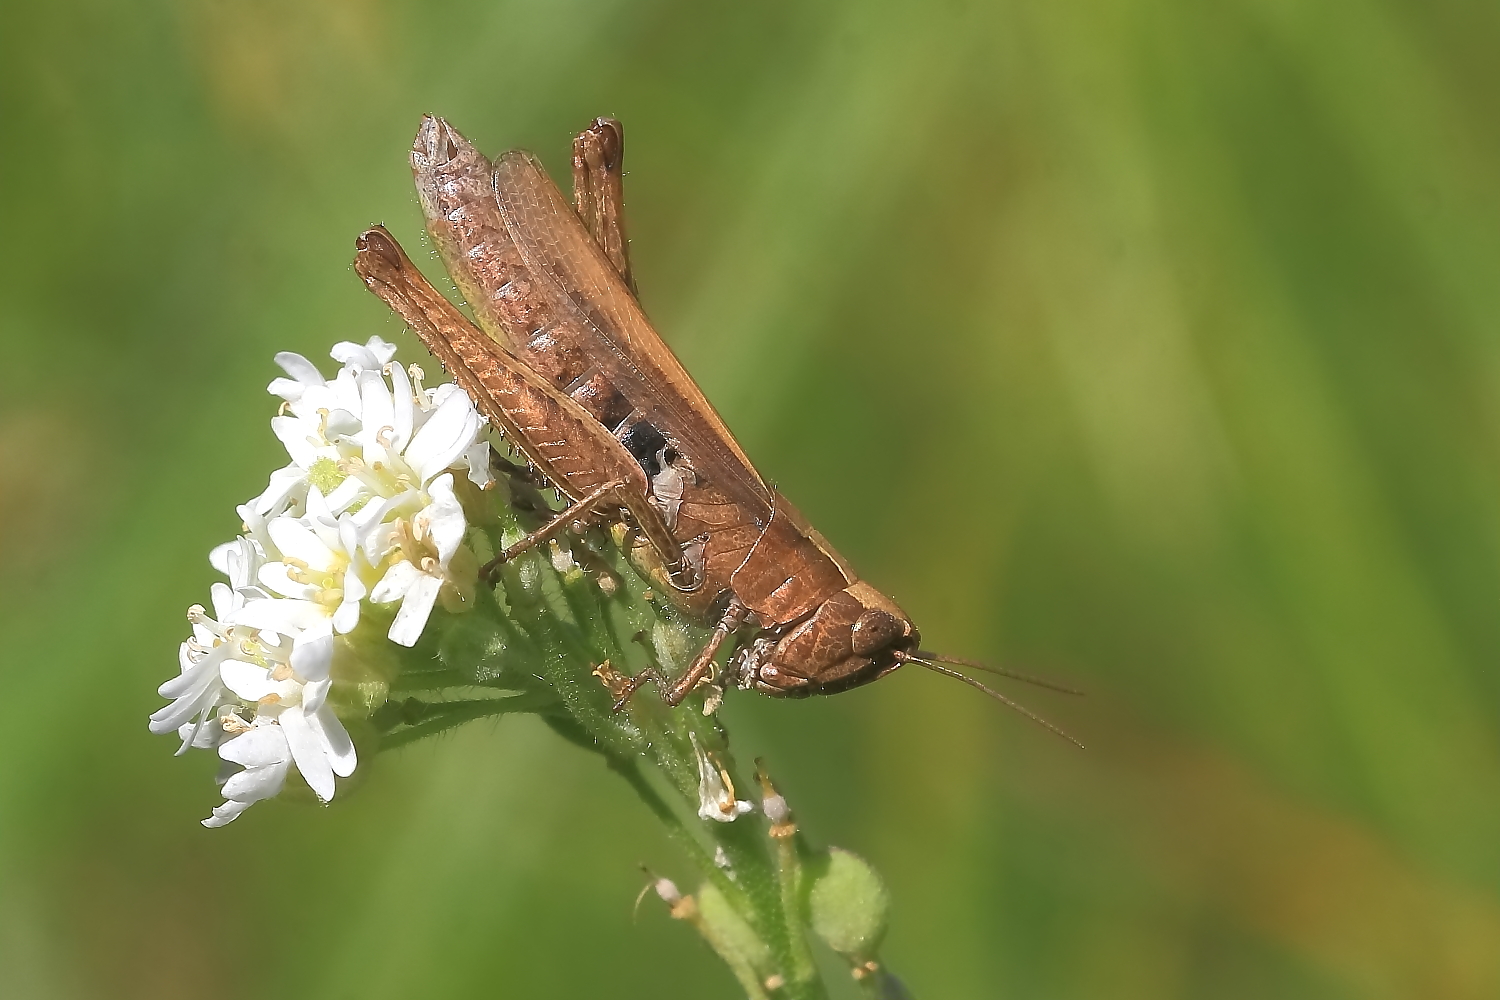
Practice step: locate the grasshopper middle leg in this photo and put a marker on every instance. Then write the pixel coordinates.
(674, 691)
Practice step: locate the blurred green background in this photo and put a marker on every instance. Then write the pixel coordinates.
(1155, 345)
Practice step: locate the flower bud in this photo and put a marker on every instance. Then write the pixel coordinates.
(848, 905)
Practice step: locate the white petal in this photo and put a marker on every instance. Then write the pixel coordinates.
(283, 488)
(288, 389)
(193, 668)
(283, 615)
(301, 439)
(477, 458)
(383, 350)
(340, 748)
(312, 653)
(402, 415)
(255, 528)
(724, 810)
(343, 424)
(354, 587)
(344, 494)
(447, 434)
(396, 582)
(299, 368)
(197, 687)
(314, 693)
(348, 536)
(377, 540)
(416, 606)
(224, 600)
(379, 416)
(317, 509)
(172, 717)
(326, 528)
(345, 392)
(314, 400)
(276, 577)
(310, 751)
(247, 680)
(297, 541)
(445, 519)
(257, 747)
(346, 618)
(226, 814)
(218, 556)
(255, 783)
(353, 355)
(369, 517)
(202, 737)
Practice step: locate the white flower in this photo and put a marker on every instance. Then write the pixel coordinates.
(264, 756)
(293, 725)
(197, 690)
(365, 511)
(316, 575)
(360, 436)
(422, 551)
(716, 799)
(317, 416)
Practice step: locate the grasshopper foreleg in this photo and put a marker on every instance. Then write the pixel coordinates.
(602, 496)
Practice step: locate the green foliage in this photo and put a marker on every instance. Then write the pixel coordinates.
(1153, 344)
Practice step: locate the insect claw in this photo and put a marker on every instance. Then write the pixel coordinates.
(631, 686)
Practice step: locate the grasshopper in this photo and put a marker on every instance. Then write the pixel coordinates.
(566, 365)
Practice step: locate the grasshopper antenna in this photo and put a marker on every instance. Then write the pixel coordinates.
(1008, 703)
(1014, 675)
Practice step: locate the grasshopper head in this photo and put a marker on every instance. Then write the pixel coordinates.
(857, 636)
(853, 638)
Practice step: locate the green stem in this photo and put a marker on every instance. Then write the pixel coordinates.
(543, 633)
(790, 879)
(447, 715)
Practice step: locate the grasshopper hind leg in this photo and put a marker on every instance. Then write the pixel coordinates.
(599, 193)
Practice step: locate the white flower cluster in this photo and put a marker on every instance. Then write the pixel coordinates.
(365, 512)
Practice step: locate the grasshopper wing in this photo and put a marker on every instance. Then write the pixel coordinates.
(560, 254)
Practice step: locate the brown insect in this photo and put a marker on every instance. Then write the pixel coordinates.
(569, 368)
